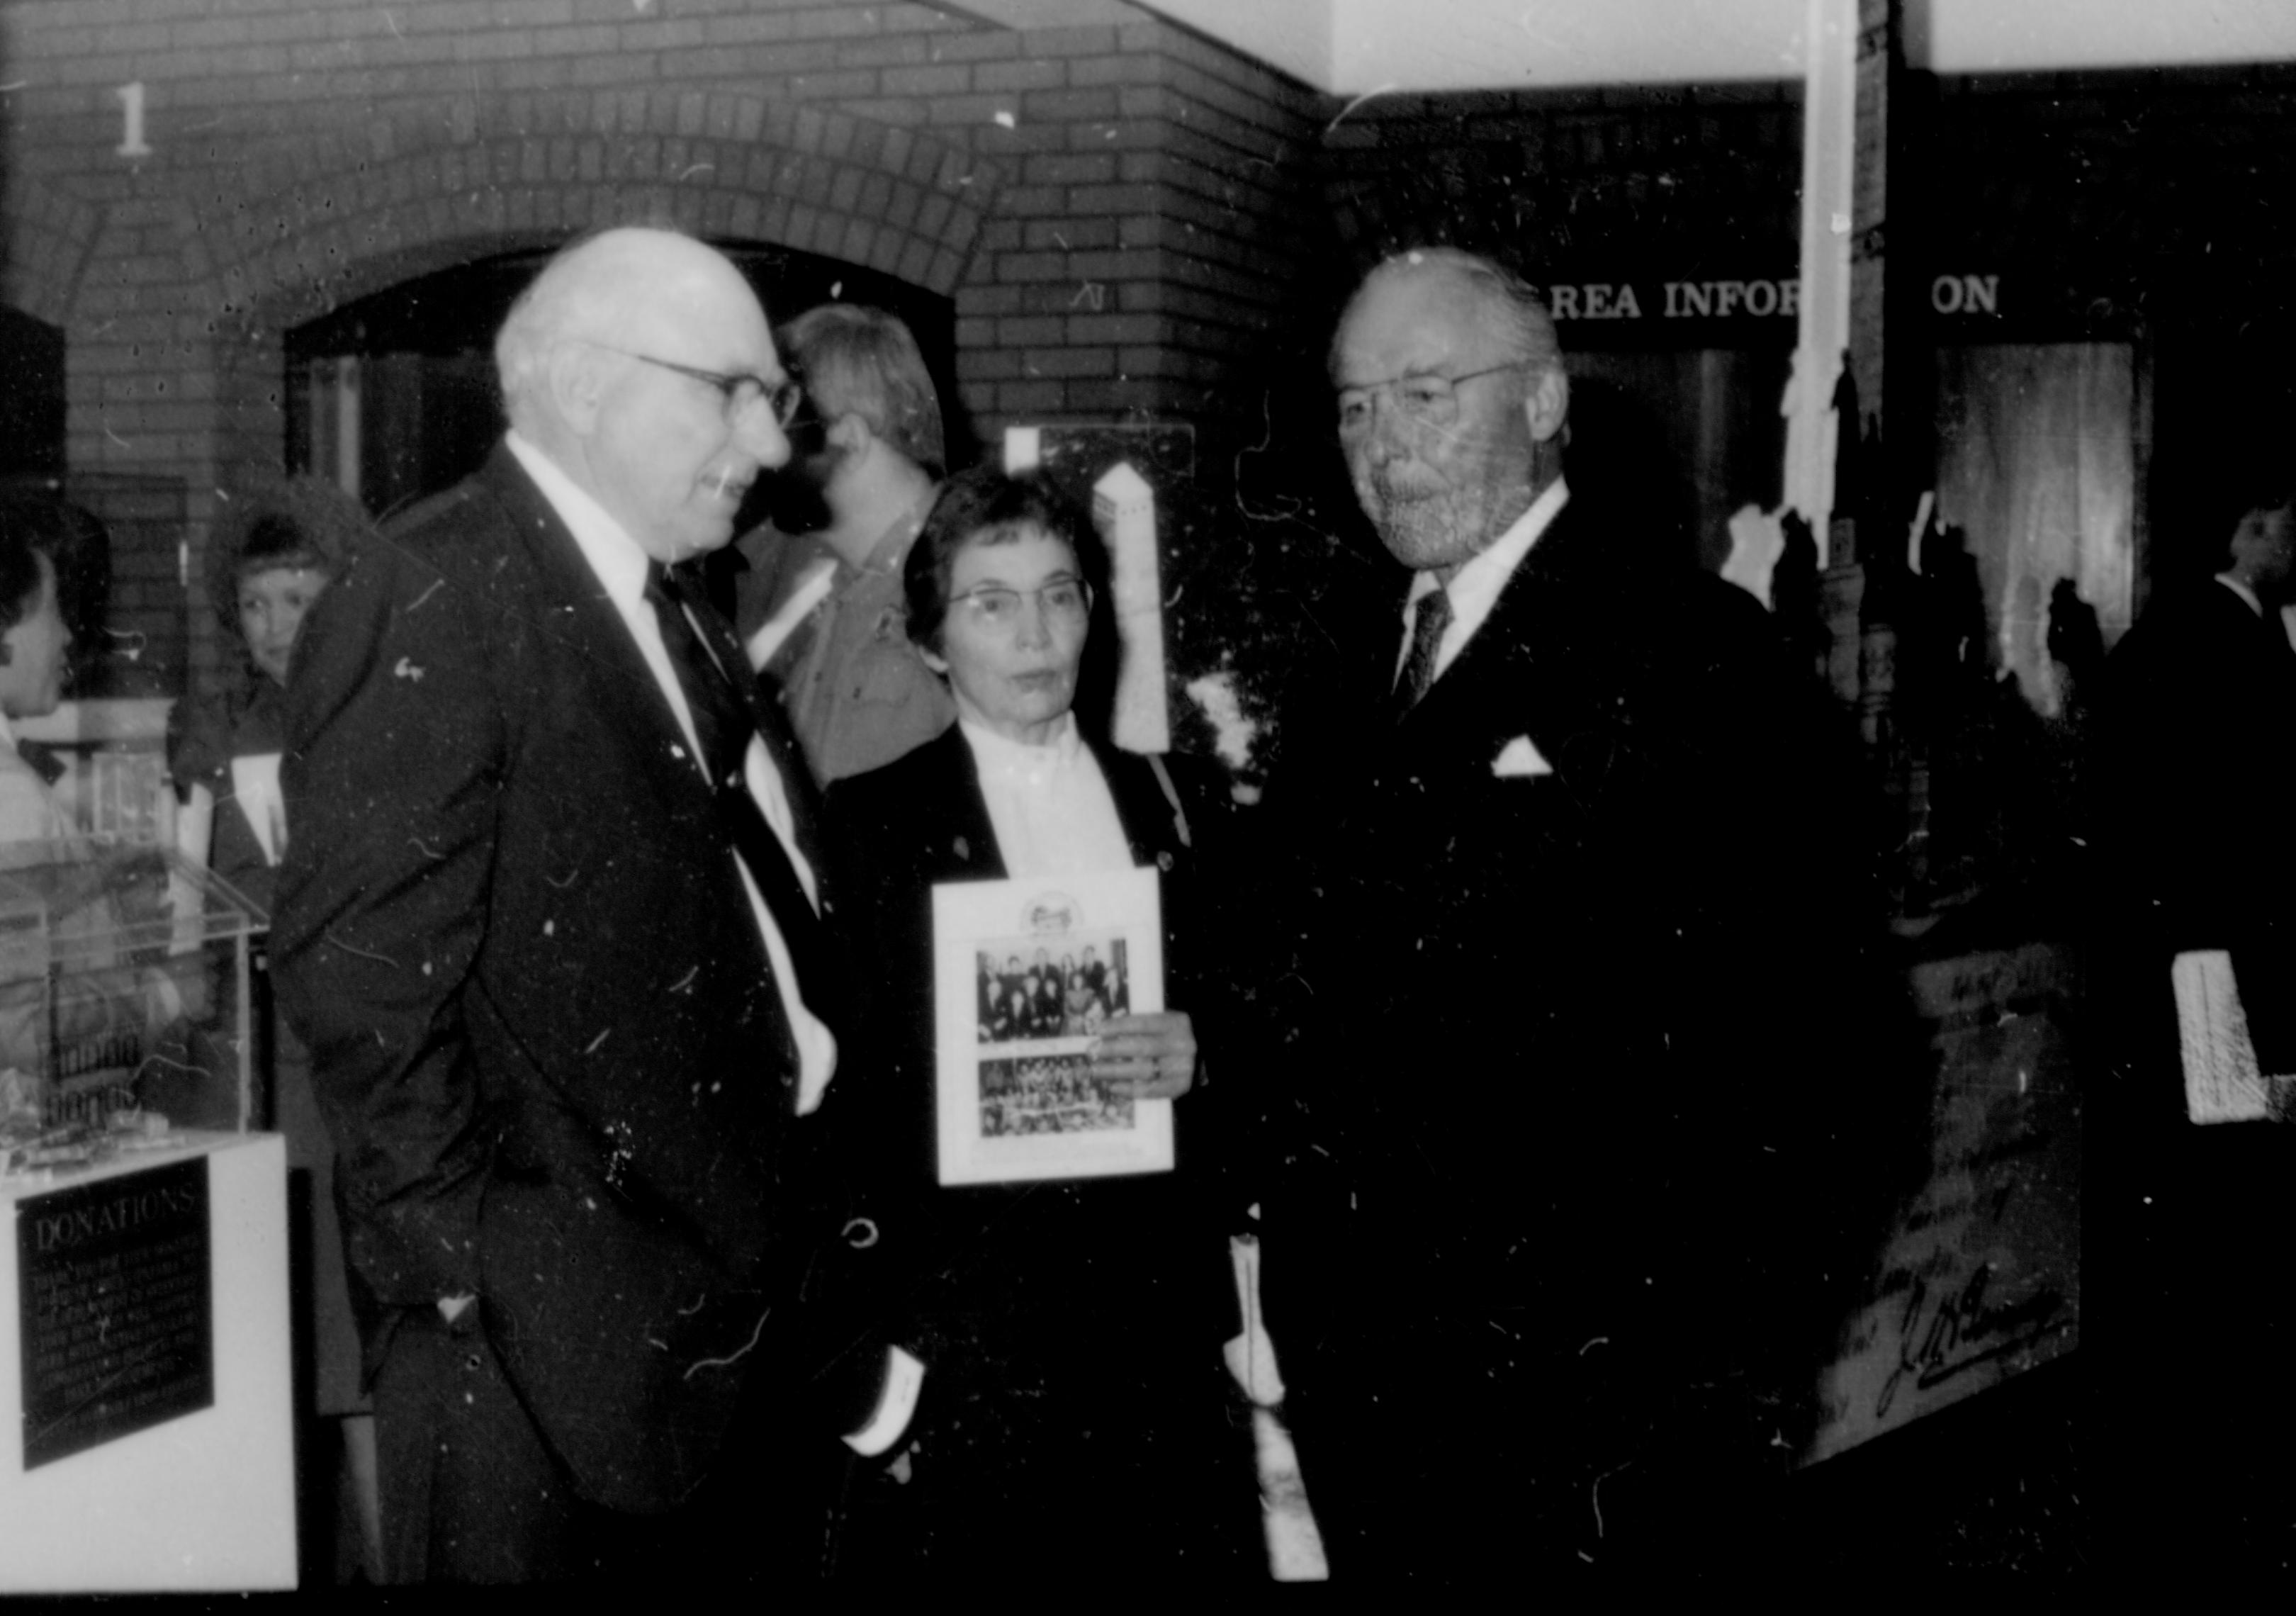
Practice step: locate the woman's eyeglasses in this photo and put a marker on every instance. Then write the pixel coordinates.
(994, 606)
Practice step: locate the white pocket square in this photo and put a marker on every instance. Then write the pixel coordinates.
(1520, 760)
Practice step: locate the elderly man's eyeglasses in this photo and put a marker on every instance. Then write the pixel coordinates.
(1429, 398)
(742, 392)
(993, 606)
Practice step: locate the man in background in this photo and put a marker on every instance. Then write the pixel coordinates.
(822, 612)
(2192, 804)
(2200, 701)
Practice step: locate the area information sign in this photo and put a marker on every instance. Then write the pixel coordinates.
(115, 1289)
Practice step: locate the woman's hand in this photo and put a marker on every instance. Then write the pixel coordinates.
(1150, 1058)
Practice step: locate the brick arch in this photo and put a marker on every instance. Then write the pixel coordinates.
(300, 236)
(346, 222)
(182, 376)
(50, 235)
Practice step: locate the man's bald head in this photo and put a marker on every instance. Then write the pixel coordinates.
(601, 287)
(640, 364)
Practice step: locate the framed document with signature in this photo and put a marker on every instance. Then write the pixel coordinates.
(1025, 973)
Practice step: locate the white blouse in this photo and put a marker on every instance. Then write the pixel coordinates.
(1049, 805)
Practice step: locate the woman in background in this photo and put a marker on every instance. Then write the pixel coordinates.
(33, 642)
(273, 553)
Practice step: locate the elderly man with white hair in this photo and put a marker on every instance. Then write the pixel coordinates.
(1547, 1213)
(548, 922)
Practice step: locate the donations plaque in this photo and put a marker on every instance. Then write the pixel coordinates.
(115, 1293)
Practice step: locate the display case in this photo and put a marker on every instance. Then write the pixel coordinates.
(145, 1389)
(125, 1003)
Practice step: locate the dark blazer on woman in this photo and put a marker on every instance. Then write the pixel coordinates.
(1071, 1331)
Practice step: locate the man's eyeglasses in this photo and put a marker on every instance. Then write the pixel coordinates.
(742, 392)
(993, 606)
(1430, 400)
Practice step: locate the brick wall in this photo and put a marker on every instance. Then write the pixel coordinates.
(1154, 233)
(1593, 181)
(1132, 223)
(1116, 213)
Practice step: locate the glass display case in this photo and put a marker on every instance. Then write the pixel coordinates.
(125, 1004)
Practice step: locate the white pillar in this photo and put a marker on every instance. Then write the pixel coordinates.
(1828, 169)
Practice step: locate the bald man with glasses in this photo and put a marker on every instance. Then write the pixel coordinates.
(549, 922)
(1510, 1266)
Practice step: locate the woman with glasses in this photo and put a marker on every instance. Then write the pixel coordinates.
(1075, 1401)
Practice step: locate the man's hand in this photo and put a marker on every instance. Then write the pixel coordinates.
(1150, 1058)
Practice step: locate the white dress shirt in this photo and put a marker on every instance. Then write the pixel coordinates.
(621, 566)
(1476, 586)
(1049, 805)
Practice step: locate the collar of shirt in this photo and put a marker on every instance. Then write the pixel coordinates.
(813, 587)
(613, 554)
(2255, 602)
(1049, 805)
(1475, 589)
(1019, 760)
(893, 548)
(827, 577)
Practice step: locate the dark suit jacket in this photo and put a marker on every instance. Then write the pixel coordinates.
(540, 1014)
(2197, 778)
(2198, 699)
(2191, 805)
(1528, 1148)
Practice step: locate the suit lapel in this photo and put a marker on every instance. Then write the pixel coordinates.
(568, 607)
(1511, 659)
(1547, 666)
(964, 839)
(573, 611)
(1141, 806)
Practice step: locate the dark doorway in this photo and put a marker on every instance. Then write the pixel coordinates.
(32, 403)
(394, 396)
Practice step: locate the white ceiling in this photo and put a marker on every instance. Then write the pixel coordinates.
(1353, 47)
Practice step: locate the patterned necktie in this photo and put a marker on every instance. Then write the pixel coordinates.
(1434, 616)
(723, 727)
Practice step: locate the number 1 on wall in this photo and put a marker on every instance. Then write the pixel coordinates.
(131, 106)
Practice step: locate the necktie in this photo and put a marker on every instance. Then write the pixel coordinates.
(1434, 616)
(723, 727)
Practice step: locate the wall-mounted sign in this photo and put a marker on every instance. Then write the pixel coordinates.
(1978, 1279)
(1759, 299)
(116, 1293)
(1966, 294)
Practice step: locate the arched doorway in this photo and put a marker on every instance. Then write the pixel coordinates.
(394, 396)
